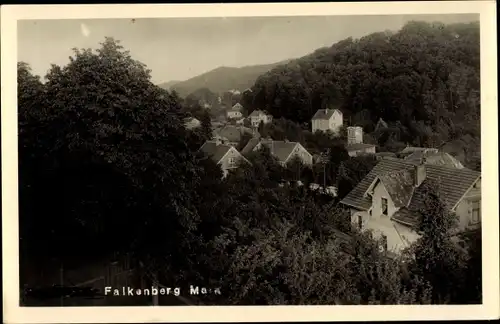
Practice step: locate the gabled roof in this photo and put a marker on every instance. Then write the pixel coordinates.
(237, 107)
(252, 143)
(280, 149)
(233, 133)
(412, 149)
(399, 185)
(215, 151)
(325, 114)
(453, 184)
(358, 146)
(436, 158)
(257, 113)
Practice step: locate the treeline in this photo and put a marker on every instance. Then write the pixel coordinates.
(106, 166)
(423, 80)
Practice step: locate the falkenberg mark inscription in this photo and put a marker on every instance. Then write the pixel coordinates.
(159, 291)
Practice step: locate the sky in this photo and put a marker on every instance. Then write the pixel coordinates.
(181, 48)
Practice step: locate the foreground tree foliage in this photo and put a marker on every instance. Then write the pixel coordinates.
(104, 157)
(106, 166)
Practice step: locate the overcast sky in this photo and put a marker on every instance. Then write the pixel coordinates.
(180, 48)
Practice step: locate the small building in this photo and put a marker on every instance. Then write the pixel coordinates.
(355, 145)
(388, 199)
(236, 112)
(354, 135)
(258, 116)
(191, 123)
(224, 155)
(327, 120)
(283, 151)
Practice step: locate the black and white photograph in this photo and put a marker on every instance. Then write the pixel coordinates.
(251, 160)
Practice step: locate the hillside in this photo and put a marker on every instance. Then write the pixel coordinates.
(222, 79)
(169, 84)
(423, 80)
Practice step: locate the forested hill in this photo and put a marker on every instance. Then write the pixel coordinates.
(222, 79)
(423, 80)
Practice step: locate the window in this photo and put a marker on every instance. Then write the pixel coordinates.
(360, 222)
(475, 212)
(384, 206)
(232, 161)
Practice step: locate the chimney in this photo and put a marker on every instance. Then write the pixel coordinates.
(420, 174)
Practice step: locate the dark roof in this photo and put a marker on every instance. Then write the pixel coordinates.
(412, 149)
(252, 143)
(399, 185)
(325, 113)
(214, 150)
(453, 184)
(358, 146)
(280, 149)
(233, 133)
(237, 107)
(436, 158)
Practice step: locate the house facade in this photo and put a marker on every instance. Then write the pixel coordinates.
(224, 155)
(284, 151)
(258, 116)
(355, 145)
(387, 200)
(236, 112)
(327, 120)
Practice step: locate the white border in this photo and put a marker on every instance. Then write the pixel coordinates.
(14, 314)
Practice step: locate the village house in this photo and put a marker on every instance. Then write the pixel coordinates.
(284, 151)
(191, 123)
(355, 145)
(327, 120)
(224, 155)
(387, 200)
(235, 112)
(258, 116)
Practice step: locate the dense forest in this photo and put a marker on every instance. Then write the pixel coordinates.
(106, 167)
(422, 80)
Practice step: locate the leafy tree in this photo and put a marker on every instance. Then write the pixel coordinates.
(206, 126)
(352, 171)
(437, 258)
(113, 152)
